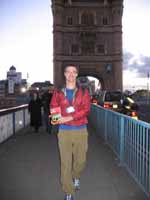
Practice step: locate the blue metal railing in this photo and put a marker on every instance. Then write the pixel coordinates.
(12, 120)
(129, 139)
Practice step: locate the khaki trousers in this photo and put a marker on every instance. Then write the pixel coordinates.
(73, 145)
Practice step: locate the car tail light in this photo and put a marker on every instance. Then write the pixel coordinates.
(107, 105)
(94, 101)
(134, 115)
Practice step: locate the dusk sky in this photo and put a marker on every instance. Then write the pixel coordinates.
(26, 39)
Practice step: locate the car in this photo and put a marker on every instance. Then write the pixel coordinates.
(119, 102)
(110, 99)
(129, 107)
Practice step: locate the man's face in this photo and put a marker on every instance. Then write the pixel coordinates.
(71, 73)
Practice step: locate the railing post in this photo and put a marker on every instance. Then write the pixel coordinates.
(121, 141)
(105, 133)
(149, 177)
(24, 118)
(13, 121)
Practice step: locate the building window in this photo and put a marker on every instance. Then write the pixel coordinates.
(105, 20)
(84, 19)
(69, 20)
(88, 40)
(75, 49)
(87, 48)
(87, 19)
(101, 49)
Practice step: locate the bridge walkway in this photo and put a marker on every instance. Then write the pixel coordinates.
(30, 170)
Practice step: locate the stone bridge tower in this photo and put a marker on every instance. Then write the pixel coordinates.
(88, 33)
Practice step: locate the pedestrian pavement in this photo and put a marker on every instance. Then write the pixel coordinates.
(30, 170)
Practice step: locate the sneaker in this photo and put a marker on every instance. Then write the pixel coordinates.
(76, 183)
(68, 197)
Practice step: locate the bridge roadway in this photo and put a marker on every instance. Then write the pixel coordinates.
(29, 170)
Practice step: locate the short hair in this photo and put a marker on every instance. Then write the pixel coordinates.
(71, 65)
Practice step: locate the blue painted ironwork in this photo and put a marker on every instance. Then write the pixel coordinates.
(129, 139)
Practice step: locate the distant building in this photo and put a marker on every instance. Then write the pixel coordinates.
(3, 88)
(13, 78)
(13, 90)
(41, 86)
(13, 75)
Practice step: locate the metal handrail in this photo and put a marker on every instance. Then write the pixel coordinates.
(129, 139)
(12, 120)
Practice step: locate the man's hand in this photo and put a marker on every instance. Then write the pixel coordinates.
(54, 122)
(62, 120)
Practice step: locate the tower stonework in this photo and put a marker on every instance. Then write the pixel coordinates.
(88, 33)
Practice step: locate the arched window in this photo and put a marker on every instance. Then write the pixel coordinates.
(87, 18)
(90, 19)
(84, 19)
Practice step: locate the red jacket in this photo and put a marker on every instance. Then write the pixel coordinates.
(81, 104)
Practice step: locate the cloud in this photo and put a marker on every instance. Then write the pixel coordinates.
(138, 64)
(127, 56)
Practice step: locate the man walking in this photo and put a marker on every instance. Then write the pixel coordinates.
(74, 103)
(46, 99)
